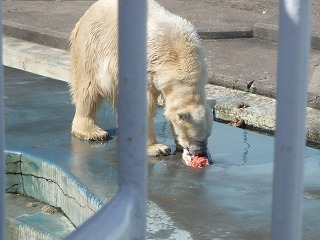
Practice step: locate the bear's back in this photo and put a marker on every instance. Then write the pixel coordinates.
(174, 47)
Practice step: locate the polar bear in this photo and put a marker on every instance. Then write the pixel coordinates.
(176, 69)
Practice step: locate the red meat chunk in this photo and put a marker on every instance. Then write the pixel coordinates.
(199, 162)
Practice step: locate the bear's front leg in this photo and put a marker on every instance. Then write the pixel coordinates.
(154, 148)
(84, 123)
(85, 128)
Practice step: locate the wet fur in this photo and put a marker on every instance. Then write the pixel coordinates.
(176, 69)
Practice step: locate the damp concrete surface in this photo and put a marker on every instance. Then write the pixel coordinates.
(229, 200)
(33, 214)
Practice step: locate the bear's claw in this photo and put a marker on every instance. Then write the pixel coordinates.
(103, 137)
(159, 150)
(92, 135)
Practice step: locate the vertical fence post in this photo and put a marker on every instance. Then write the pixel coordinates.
(124, 217)
(2, 163)
(132, 121)
(293, 59)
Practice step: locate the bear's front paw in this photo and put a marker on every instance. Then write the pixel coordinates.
(99, 135)
(93, 134)
(86, 129)
(159, 150)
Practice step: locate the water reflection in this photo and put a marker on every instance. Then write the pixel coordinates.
(246, 148)
(95, 165)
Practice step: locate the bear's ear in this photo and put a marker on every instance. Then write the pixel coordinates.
(211, 102)
(183, 116)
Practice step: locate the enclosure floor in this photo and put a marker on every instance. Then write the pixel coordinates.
(229, 200)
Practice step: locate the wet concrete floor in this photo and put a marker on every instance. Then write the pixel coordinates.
(228, 200)
(45, 219)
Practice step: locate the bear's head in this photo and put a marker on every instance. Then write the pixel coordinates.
(191, 126)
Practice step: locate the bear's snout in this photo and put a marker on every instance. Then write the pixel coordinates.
(198, 149)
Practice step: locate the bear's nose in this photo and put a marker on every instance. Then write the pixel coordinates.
(198, 150)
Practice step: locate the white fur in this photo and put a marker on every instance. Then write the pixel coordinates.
(176, 69)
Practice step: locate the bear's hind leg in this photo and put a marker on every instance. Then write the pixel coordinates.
(84, 123)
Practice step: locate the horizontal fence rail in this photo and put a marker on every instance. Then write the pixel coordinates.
(293, 59)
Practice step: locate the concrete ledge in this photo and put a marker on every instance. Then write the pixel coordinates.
(28, 33)
(260, 113)
(21, 231)
(225, 33)
(55, 63)
(251, 66)
(269, 31)
(27, 219)
(264, 31)
(35, 58)
(50, 184)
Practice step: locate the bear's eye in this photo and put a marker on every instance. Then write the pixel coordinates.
(183, 116)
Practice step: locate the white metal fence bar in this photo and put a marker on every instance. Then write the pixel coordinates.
(124, 217)
(2, 164)
(132, 110)
(293, 58)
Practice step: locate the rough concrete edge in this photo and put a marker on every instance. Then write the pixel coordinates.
(36, 58)
(61, 40)
(225, 33)
(13, 181)
(260, 30)
(42, 169)
(29, 59)
(24, 226)
(260, 112)
(74, 199)
(40, 36)
(269, 32)
(246, 85)
(18, 230)
(255, 86)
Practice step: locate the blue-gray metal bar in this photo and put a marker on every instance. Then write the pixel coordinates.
(2, 144)
(124, 217)
(132, 108)
(293, 59)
